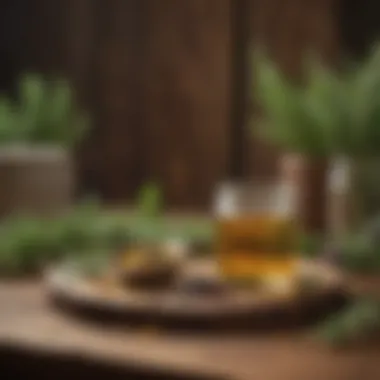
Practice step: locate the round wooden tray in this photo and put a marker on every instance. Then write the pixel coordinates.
(237, 309)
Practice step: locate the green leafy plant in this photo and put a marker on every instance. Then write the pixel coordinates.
(328, 114)
(25, 245)
(358, 322)
(29, 243)
(149, 202)
(148, 227)
(297, 118)
(45, 113)
(359, 254)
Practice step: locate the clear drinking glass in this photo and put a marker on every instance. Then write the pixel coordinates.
(256, 231)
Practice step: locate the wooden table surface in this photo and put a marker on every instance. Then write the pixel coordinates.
(28, 321)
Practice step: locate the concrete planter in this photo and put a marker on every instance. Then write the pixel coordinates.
(35, 179)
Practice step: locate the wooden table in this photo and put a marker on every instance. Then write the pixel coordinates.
(28, 322)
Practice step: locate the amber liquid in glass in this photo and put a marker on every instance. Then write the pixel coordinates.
(251, 247)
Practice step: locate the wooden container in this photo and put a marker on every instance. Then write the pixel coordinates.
(307, 178)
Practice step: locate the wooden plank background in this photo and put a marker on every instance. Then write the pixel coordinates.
(160, 79)
(167, 82)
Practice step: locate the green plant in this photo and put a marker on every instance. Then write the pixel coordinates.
(149, 202)
(9, 126)
(357, 322)
(28, 243)
(89, 228)
(359, 254)
(330, 114)
(44, 113)
(293, 112)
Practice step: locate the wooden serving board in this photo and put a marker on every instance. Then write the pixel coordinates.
(237, 308)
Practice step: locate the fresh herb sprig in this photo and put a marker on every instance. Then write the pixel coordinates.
(358, 322)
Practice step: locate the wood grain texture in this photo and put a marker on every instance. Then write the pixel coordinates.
(187, 97)
(30, 325)
(159, 90)
(160, 77)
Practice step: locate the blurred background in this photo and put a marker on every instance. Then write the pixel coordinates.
(167, 82)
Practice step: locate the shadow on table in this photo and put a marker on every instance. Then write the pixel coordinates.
(18, 363)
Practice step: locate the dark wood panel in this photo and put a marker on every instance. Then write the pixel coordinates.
(359, 25)
(167, 83)
(112, 68)
(14, 17)
(80, 41)
(156, 75)
(119, 79)
(187, 110)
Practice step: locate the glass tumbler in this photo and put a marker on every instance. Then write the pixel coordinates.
(256, 233)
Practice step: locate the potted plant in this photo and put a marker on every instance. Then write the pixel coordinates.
(331, 116)
(38, 132)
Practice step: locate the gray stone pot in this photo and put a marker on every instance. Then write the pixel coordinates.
(36, 179)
